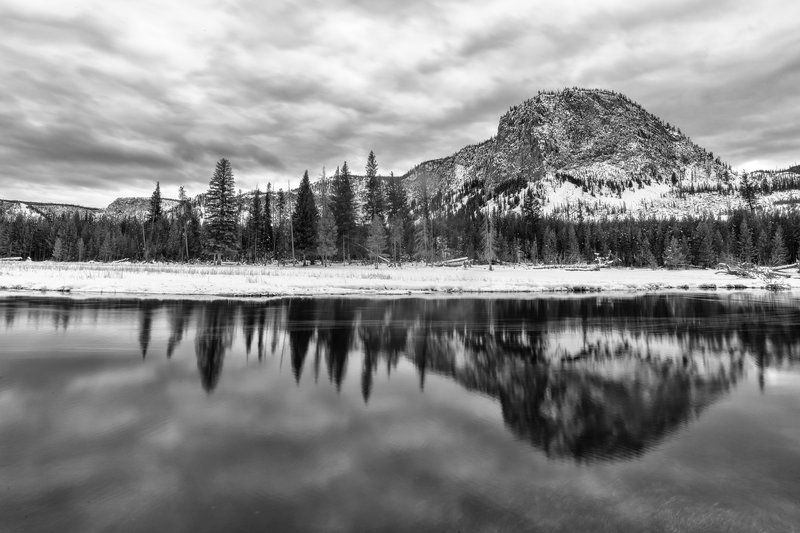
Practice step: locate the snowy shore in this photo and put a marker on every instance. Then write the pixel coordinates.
(265, 281)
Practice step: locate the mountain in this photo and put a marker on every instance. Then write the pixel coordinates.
(593, 147)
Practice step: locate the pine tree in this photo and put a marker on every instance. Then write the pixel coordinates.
(155, 212)
(304, 219)
(748, 192)
(5, 240)
(376, 238)
(326, 228)
(396, 236)
(266, 234)
(326, 236)
(281, 237)
(374, 200)
(422, 240)
(183, 202)
(106, 249)
(221, 211)
(705, 251)
(645, 255)
(573, 253)
(423, 234)
(534, 251)
(779, 254)
(549, 247)
(746, 248)
(58, 250)
(343, 206)
(397, 208)
(674, 254)
(254, 227)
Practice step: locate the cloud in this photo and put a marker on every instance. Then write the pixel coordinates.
(102, 100)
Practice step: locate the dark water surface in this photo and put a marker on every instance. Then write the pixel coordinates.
(621, 413)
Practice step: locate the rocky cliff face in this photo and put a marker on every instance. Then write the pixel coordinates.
(136, 207)
(598, 141)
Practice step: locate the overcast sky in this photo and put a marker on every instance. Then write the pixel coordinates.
(103, 99)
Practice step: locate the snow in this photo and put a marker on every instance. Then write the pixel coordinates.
(264, 281)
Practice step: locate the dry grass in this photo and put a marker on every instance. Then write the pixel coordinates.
(264, 280)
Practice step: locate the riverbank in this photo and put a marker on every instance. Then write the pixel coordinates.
(264, 281)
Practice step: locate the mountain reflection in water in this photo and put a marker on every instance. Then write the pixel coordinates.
(590, 378)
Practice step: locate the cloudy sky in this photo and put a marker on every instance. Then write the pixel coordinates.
(102, 99)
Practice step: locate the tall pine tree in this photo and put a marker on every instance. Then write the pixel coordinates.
(155, 212)
(778, 253)
(221, 209)
(343, 206)
(374, 200)
(326, 229)
(304, 219)
(746, 249)
(266, 233)
(254, 227)
(376, 238)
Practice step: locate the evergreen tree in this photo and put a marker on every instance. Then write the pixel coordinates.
(221, 211)
(423, 231)
(154, 213)
(376, 238)
(674, 254)
(549, 247)
(254, 228)
(645, 255)
(183, 202)
(396, 236)
(705, 249)
(58, 250)
(304, 219)
(374, 201)
(5, 240)
(326, 236)
(779, 255)
(573, 253)
(401, 226)
(534, 251)
(106, 249)
(281, 237)
(343, 206)
(748, 192)
(746, 248)
(326, 229)
(266, 233)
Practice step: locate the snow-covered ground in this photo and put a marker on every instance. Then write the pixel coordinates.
(245, 280)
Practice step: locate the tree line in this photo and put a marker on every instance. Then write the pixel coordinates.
(396, 221)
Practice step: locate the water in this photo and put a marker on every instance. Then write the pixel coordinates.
(625, 413)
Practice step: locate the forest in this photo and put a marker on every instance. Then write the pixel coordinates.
(330, 221)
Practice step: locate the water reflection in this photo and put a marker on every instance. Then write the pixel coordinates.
(586, 378)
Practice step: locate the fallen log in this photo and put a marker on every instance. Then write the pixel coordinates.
(9, 259)
(792, 266)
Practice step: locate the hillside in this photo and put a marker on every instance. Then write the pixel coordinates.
(592, 152)
(12, 208)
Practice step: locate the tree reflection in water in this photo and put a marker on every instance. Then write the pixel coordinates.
(215, 330)
(588, 378)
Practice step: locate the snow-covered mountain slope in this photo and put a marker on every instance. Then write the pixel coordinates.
(592, 152)
(13, 208)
